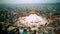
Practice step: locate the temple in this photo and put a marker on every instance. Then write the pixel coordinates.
(33, 19)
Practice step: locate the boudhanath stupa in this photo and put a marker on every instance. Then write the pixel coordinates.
(33, 19)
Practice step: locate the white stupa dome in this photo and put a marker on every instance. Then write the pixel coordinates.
(33, 18)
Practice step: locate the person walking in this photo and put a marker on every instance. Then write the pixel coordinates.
(21, 30)
(25, 31)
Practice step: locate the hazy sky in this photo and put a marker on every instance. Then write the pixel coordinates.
(28, 1)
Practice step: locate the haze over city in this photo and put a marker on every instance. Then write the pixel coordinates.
(27, 1)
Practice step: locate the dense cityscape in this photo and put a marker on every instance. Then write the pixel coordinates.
(12, 19)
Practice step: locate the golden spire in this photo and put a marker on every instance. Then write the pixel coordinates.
(33, 10)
